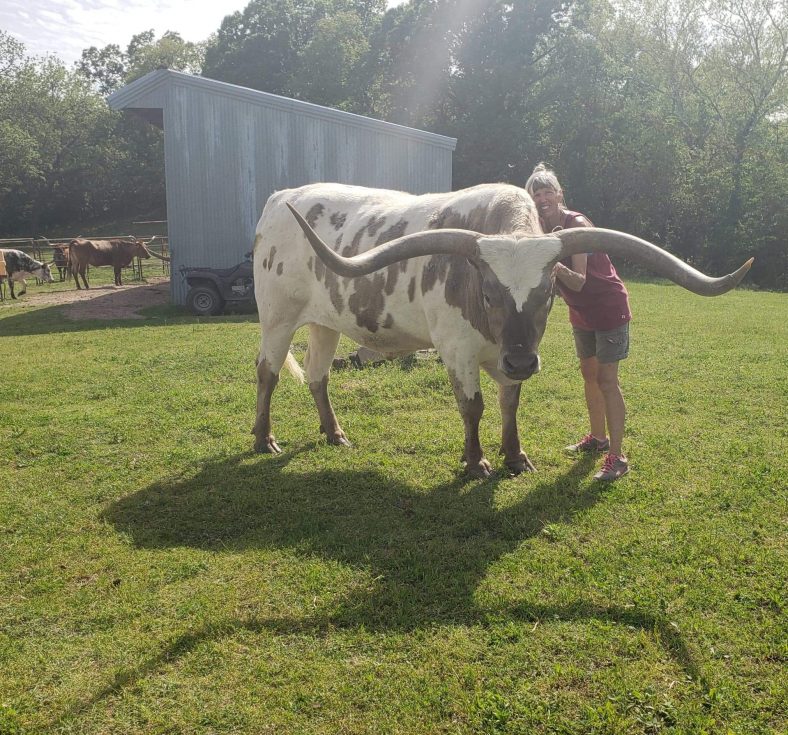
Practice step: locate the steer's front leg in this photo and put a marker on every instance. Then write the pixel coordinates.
(514, 457)
(467, 391)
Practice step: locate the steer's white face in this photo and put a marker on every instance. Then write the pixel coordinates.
(520, 265)
(517, 295)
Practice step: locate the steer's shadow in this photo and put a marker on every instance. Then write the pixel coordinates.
(426, 553)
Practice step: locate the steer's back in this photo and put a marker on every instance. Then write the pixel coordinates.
(384, 308)
(118, 253)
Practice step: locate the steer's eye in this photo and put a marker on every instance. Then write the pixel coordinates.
(487, 301)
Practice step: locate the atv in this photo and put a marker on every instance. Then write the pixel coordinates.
(213, 289)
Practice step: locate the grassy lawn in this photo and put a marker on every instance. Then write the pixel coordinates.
(158, 577)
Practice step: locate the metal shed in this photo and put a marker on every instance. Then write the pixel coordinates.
(228, 148)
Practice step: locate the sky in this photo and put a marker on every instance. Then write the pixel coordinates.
(66, 27)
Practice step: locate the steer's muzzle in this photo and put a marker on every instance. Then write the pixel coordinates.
(519, 364)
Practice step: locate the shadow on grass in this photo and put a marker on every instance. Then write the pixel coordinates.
(426, 553)
(52, 320)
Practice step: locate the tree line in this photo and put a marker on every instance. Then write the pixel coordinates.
(664, 118)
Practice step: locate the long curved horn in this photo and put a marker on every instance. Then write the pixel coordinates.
(430, 242)
(595, 239)
(156, 255)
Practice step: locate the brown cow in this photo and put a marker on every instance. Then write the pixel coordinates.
(117, 252)
(60, 261)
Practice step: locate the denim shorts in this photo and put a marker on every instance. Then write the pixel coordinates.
(609, 346)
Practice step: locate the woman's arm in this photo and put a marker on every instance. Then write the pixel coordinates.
(573, 278)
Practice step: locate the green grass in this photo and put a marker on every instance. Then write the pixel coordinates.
(158, 577)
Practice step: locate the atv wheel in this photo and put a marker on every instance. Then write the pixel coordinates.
(205, 301)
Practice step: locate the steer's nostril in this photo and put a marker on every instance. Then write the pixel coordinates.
(520, 365)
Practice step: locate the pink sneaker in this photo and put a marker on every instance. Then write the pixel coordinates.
(589, 443)
(613, 467)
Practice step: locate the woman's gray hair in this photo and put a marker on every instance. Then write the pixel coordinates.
(542, 178)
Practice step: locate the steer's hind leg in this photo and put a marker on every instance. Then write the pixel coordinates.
(317, 364)
(273, 351)
(514, 457)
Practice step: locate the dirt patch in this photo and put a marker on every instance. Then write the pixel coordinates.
(104, 302)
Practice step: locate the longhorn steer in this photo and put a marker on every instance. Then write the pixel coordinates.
(20, 266)
(394, 280)
(118, 253)
(60, 260)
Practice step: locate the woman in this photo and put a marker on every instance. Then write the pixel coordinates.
(599, 313)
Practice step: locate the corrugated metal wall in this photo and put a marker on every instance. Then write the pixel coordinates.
(225, 155)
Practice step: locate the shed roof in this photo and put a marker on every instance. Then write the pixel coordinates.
(144, 94)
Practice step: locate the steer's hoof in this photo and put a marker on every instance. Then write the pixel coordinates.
(481, 469)
(266, 445)
(337, 438)
(519, 465)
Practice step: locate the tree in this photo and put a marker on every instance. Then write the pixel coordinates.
(330, 68)
(146, 54)
(713, 78)
(105, 68)
(59, 128)
(109, 68)
(262, 47)
(65, 157)
(501, 56)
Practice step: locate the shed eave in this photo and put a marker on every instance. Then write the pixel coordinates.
(135, 91)
(132, 95)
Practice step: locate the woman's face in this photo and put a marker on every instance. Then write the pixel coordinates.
(548, 202)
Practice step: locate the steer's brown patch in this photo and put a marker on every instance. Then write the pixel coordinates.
(314, 213)
(393, 232)
(279, 269)
(389, 322)
(308, 263)
(271, 257)
(370, 230)
(332, 284)
(392, 274)
(338, 220)
(506, 214)
(462, 288)
(412, 289)
(434, 271)
(367, 301)
(330, 280)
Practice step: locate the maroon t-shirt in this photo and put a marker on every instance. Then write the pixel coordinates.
(603, 302)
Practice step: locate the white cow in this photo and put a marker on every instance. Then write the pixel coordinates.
(467, 272)
(20, 266)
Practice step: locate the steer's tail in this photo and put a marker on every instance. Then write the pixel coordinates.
(295, 369)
